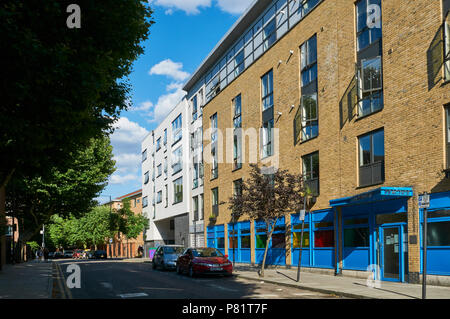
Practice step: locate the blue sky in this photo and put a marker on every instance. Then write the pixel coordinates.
(184, 33)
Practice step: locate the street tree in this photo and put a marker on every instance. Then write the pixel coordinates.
(63, 86)
(268, 195)
(68, 193)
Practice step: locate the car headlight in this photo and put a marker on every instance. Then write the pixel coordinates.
(206, 265)
(226, 264)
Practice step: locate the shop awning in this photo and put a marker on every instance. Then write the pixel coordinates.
(375, 195)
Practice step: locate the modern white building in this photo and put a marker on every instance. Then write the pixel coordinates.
(166, 179)
(172, 185)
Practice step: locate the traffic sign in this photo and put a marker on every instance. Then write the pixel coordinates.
(302, 215)
(424, 200)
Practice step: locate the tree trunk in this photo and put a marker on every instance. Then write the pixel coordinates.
(269, 237)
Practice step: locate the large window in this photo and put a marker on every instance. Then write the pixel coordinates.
(237, 107)
(371, 158)
(306, 122)
(369, 57)
(159, 168)
(267, 90)
(368, 23)
(144, 155)
(178, 190)
(158, 144)
(215, 201)
(165, 137)
(311, 172)
(177, 129)
(323, 235)
(146, 177)
(177, 160)
(159, 197)
(237, 138)
(267, 139)
(214, 155)
(297, 235)
(195, 205)
(194, 108)
(145, 201)
(356, 232)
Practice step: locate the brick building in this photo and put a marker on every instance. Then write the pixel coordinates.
(122, 246)
(355, 96)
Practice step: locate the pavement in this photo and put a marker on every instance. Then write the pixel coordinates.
(29, 280)
(344, 286)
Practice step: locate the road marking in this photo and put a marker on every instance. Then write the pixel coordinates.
(264, 296)
(303, 294)
(133, 295)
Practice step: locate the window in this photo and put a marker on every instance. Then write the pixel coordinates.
(214, 127)
(194, 108)
(356, 232)
(146, 177)
(438, 233)
(165, 136)
(447, 113)
(237, 187)
(309, 61)
(269, 33)
(306, 124)
(367, 33)
(323, 235)
(371, 158)
(371, 88)
(311, 172)
(159, 197)
(159, 170)
(201, 207)
(215, 201)
(145, 201)
(447, 47)
(195, 206)
(166, 187)
(178, 190)
(214, 155)
(176, 129)
(195, 174)
(165, 167)
(369, 70)
(237, 122)
(266, 139)
(158, 144)
(267, 90)
(144, 155)
(177, 158)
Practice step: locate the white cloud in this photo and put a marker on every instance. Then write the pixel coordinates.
(144, 106)
(126, 141)
(188, 6)
(167, 102)
(170, 69)
(193, 6)
(234, 6)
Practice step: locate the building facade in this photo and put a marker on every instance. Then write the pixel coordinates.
(166, 179)
(353, 95)
(120, 245)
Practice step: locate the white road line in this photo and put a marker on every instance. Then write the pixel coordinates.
(303, 294)
(264, 296)
(133, 295)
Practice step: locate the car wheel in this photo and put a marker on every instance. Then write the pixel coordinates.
(191, 272)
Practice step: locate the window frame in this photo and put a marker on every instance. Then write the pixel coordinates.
(372, 163)
(366, 27)
(178, 196)
(269, 88)
(313, 176)
(267, 139)
(177, 126)
(215, 201)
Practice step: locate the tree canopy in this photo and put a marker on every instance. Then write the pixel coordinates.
(268, 194)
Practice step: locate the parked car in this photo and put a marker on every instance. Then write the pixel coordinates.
(51, 255)
(100, 254)
(166, 256)
(68, 254)
(77, 253)
(90, 254)
(197, 261)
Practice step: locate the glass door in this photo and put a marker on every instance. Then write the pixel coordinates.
(391, 249)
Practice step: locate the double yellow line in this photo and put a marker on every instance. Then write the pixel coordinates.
(61, 281)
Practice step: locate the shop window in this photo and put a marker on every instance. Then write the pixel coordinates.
(279, 241)
(356, 237)
(438, 233)
(324, 238)
(261, 241)
(296, 239)
(245, 241)
(220, 242)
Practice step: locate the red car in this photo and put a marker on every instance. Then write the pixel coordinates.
(196, 261)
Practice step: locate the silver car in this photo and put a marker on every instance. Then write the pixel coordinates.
(166, 256)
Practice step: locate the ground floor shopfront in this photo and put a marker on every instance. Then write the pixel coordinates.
(376, 232)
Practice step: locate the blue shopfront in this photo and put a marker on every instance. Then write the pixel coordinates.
(374, 232)
(239, 242)
(438, 235)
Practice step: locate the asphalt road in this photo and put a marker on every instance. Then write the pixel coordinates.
(135, 280)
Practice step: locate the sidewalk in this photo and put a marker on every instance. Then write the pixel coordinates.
(342, 286)
(28, 280)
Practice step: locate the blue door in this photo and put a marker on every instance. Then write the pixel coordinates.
(391, 257)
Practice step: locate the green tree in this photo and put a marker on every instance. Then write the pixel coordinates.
(268, 195)
(61, 87)
(67, 193)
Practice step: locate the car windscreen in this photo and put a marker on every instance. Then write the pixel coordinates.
(173, 250)
(207, 252)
